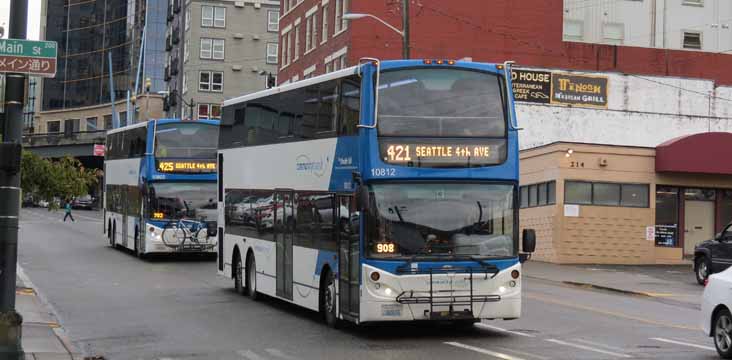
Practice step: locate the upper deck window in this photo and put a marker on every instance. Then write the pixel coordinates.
(186, 140)
(440, 102)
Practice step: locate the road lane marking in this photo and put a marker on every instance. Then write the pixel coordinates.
(250, 355)
(684, 344)
(539, 357)
(483, 351)
(610, 313)
(491, 327)
(588, 342)
(588, 348)
(278, 353)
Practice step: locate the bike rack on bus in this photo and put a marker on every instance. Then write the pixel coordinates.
(438, 299)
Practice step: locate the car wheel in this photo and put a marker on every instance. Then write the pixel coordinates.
(702, 268)
(328, 298)
(722, 332)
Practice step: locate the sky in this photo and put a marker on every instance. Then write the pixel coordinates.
(34, 17)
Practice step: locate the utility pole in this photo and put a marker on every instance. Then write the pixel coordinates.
(405, 29)
(10, 152)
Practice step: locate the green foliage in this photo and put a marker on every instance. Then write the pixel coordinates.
(45, 179)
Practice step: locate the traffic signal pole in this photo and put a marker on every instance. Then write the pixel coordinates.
(15, 87)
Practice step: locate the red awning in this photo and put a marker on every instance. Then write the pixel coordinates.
(704, 153)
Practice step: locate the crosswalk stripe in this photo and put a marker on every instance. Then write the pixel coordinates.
(278, 353)
(588, 348)
(483, 351)
(684, 344)
(250, 355)
(491, 327)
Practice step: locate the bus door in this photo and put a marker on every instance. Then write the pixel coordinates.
(284, 227)
(124, 210)
(348, 257)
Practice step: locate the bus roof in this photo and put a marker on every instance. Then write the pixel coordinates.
(387, 64)
(160, 121)
(296, 85)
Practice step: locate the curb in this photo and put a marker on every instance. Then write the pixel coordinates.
(57, 329)
(597, 287)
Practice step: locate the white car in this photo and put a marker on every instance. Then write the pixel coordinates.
(716, 316)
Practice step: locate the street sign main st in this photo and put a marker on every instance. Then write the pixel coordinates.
(28, 57)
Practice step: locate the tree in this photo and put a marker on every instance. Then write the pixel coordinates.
(45, 179)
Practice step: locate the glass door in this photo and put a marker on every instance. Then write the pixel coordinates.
(348, 257)
(284, 233)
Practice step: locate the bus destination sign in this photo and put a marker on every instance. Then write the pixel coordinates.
(186, 166)
(434, 154)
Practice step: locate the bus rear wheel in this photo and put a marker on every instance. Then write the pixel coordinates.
(251, 283)
(238, 274)
(328, 299)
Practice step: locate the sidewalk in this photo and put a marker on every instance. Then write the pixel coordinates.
(672, 282)
(43, 336)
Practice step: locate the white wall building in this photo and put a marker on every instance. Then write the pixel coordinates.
(641, 111)
(704, 25)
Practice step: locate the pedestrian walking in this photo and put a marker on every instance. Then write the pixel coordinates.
(68, 211)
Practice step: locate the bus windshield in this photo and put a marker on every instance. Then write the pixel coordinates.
(441, 102)
(186, 140)
(183, 200)
(441, 220)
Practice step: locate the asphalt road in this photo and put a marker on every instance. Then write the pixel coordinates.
(118, 306)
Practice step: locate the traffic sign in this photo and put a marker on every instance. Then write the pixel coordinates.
(28, 57)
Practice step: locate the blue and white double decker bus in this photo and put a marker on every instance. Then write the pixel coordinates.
(386, 191)
(160, 186)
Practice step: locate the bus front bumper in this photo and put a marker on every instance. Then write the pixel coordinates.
(408, 297)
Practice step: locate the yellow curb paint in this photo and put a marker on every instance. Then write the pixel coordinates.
(610, 313)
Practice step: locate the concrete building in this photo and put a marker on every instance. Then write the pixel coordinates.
(701, 25)
(530, 32)
(218, 50)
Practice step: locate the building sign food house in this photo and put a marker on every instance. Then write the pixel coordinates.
(557, 88)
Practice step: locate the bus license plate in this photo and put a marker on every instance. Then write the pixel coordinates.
(391, 310)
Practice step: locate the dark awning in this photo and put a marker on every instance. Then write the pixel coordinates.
(704, 153)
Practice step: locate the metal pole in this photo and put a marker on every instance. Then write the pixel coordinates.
(10, 320)
(405, 29)
(115, 117)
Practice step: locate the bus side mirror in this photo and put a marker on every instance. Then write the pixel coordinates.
(211, 228)
(529, 240)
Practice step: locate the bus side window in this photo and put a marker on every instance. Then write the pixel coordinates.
(350, 108)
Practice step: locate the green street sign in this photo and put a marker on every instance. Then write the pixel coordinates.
(28, 56)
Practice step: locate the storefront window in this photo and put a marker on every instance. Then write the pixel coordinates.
(634, 195)
(578, 193)
(700, 194)
(606, 194)
(725, 207)
(667, 216)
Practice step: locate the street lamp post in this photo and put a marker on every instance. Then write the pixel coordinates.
(404, 33)
(10, 193)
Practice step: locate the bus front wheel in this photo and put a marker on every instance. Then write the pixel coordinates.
(251, 283)
(328, 299)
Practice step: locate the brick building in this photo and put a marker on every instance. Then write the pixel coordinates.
(597, 181)
(534, 33)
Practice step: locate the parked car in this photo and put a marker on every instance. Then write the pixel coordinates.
(716, 317)
(713, 256)
(83, 202)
